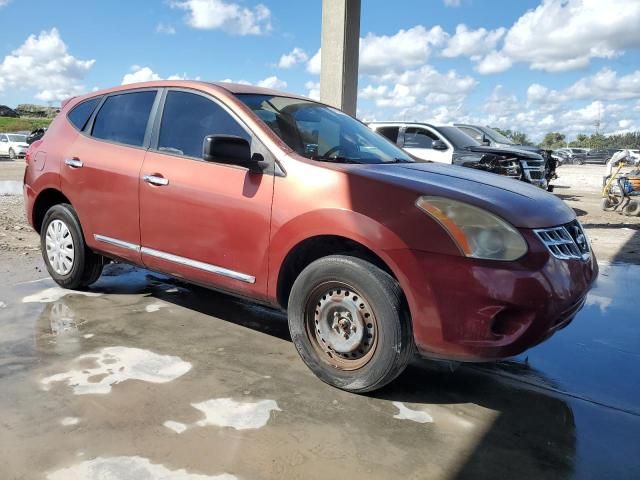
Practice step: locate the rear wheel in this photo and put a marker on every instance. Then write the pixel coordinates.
(632, 208)
(606, 204)
(348, 321)
(69, 261)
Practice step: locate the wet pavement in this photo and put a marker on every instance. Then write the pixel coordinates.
(144, 377)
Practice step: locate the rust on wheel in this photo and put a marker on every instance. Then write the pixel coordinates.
(341, 325)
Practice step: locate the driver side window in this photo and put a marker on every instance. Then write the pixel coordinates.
(188, 118)
(418, 138)
(476, 135)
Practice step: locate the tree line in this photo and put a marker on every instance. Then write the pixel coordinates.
(554, 140)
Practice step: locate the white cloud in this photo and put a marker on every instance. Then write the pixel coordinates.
(424, 85)
(494, 62)
(43, 63)
(165, 28)
(406, 48)
(288, 60)
(140, 74)
(4, 2)
(313, 65)
(146, 74)
(466, 42)
(269, 82)
(272, 82)
(381, 53)
(452, 3)
(562, 35)
(230, 17)
(313, 90)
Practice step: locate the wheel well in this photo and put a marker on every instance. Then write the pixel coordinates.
(47, 199)
(312, 249)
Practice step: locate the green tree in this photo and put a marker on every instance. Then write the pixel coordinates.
(519, 138)
(553, 140)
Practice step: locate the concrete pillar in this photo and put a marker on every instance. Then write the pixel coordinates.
(340, 49)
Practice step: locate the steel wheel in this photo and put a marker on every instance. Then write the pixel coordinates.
(341, 325)
(60, 248)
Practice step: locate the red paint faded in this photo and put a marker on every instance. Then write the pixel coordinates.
(461, 308)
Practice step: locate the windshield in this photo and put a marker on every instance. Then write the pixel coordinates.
(17, 138)
(457, 137)
(319, 132)
(497, 136)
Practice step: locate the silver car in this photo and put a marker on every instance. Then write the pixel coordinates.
(13, 145)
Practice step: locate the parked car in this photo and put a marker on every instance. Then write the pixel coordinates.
(36, 134)
(13, 145)
(600, 155)
(575, 156)
(286, 201)
(452, 146)
(488, 136)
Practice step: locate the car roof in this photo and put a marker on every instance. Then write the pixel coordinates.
(228, 87)
(399, 123)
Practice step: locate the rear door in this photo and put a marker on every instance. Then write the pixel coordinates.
(418, 141)
(208, 222)
(101, 172)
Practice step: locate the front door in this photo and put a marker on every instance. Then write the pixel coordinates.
(101, 170)
(208, 222)
(4, 145)
(419, 142)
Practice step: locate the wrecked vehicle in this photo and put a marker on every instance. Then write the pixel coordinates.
(292, 203)
(490, 137)
(453, 146)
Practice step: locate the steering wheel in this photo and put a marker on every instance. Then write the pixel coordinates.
(335, 149)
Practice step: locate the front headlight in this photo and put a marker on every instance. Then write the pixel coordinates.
(476, 232)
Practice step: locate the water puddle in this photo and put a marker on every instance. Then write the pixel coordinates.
(10, 187)
(54, 294)
(119, 364)
(226, 412)
(128, 468)
(405, 413)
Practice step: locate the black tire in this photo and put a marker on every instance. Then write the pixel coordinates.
(606, 204)
(384, 350)
(86, 265)
(632, 208)
(12, 154)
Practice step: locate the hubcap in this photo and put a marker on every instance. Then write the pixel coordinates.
(60, 248)
(341, 326)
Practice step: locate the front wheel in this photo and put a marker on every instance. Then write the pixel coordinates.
(632, 208)
(69, 261)
(349, 323)
(12, 154)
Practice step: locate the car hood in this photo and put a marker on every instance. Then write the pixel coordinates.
(521, 204)
(521, 153)
(21, 144)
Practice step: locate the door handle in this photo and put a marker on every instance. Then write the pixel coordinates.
(73, 162)
(156, 180)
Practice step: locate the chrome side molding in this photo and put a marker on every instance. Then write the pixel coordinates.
(206, 267)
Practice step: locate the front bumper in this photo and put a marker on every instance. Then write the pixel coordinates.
(471, 310)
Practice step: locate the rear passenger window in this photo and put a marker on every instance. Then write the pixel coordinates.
(188, 118)
(81, 112)
(123, 118)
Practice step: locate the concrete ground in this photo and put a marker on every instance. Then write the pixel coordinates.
(145, 377)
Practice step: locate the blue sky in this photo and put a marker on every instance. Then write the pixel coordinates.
(536, 66)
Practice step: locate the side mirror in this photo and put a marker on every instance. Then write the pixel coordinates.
(228, 149)
(485, 141)
(439, 145)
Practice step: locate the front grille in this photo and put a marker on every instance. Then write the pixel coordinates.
(536, 164)
(565, 242)
(535, 175)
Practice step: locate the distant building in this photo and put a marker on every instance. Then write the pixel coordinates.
(7, 112)
(39, 111)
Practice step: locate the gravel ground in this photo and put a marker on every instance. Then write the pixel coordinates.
(615, 237)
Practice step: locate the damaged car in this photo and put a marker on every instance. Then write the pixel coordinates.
(490, 137)
(450, 145)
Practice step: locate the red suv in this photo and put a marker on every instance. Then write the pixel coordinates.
(289, 202)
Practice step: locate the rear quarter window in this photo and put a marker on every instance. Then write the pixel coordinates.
(79, 115)
(123, 118)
